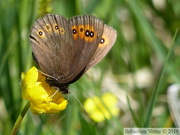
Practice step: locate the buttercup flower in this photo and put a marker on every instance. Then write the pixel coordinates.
(42, 97)
(101, 108)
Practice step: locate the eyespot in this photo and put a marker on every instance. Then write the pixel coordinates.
(91, 34)
(62, 31)
(74, 31)
(87, 33)
(47, 27)
(40, 33)
(81, 29)
(102, 40)
(56, 27)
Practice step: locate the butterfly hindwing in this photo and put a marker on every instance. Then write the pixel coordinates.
(107, 41)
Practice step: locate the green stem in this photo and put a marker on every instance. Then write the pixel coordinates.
(20, 118)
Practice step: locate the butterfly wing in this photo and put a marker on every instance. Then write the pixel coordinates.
(107, 41)
(87, 31)
(52, 45)
(62, 48)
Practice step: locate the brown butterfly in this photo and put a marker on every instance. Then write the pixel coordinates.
(64, 49)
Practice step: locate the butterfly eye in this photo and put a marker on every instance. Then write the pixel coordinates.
(102, 40)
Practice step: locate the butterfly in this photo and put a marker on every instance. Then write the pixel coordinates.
(64, 49)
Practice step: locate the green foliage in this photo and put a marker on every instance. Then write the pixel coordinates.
(145, 36)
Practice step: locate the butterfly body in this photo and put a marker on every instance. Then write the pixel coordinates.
(64, 49)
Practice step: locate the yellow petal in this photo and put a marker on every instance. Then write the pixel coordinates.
(30, 77)
(43, 98)
(54, 108)
(102, 108)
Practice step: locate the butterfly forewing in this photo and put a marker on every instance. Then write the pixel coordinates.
(53, 48)
(41, 45)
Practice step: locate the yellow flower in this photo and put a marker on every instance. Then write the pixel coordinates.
(43, 98)
(102, 108)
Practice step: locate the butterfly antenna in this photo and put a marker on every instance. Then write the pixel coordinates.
(78, 101)
(68, 96)
(55, 93)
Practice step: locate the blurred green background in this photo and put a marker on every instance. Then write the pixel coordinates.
(135, 67)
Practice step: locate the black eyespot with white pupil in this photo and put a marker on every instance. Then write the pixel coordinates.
(87, 33)
(56, 27)
(102, 40)
(91, 34)
(74, 31)
(40, 33)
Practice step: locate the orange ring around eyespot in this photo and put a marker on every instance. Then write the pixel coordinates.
(75, 35)
(41, 33)
(47, 27)
(106, 41)
(62, 31)
(80, 32)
